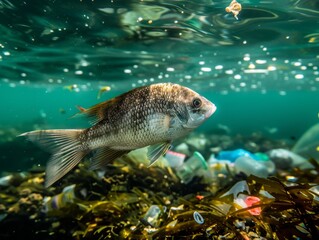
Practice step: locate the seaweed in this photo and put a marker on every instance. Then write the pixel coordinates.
(131, 201)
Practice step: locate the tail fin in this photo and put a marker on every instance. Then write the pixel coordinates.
(66, 148)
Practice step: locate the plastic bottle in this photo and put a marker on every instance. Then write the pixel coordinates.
(308, 143)
(285, 159)
(250, 166)
(270, 165)
(265, 160)
(152, 215)
(188, 170)
(234, 154)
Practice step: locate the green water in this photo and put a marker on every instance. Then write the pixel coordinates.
(243, 113)
(261, 70)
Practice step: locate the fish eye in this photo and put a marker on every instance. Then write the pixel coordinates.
(197, 103)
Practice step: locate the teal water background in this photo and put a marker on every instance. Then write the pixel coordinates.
(242, 113)
(261, 70)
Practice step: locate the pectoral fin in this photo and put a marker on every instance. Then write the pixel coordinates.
(104, 156)
(156, 151)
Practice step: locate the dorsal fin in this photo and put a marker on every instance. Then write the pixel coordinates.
(98, 111)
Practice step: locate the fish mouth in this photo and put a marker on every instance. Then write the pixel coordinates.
(212, 108)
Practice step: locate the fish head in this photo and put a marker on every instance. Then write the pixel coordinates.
(193, 109)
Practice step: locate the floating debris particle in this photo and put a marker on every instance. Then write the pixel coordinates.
(175, 159)
(234, 7)
(151, 217)
(245, 201)
(103, 90)
(198, 218)
(62, 110)
(199, 197)
(69, 195)
(72, 87)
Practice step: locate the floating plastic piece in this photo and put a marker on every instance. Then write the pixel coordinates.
(261, 156)
(307, 145)
(103, 90)
(244, 201)
(72, 87)
(6, 180)
(234, 154)
(200, 197)
(266, 194)
(292, 179)
(175, 210)
(151, 216)
(198, 218)
(220, 166)
(270, 165)
(198, 142)
(239, 187)
(285, 159)
(265, 160)
(9, 179)
(70, 194)
(250, 166)
(182, 148)
(188, 170)
(315, 191)
(172, 224)
(175, 159)
(240, 224)
(234, 7)
(250, 201)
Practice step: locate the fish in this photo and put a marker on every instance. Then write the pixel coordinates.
(153, 116)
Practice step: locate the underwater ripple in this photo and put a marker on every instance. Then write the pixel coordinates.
(138, 42)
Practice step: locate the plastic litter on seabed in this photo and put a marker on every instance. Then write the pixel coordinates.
(194, 198)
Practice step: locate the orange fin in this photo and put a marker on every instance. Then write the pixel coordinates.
(98, 111)
(81, 109)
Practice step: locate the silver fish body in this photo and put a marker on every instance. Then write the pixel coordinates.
(152, 116)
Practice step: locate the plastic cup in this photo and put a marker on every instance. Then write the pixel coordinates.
(188, 170)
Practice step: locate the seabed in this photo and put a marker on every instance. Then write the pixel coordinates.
(130, 200)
